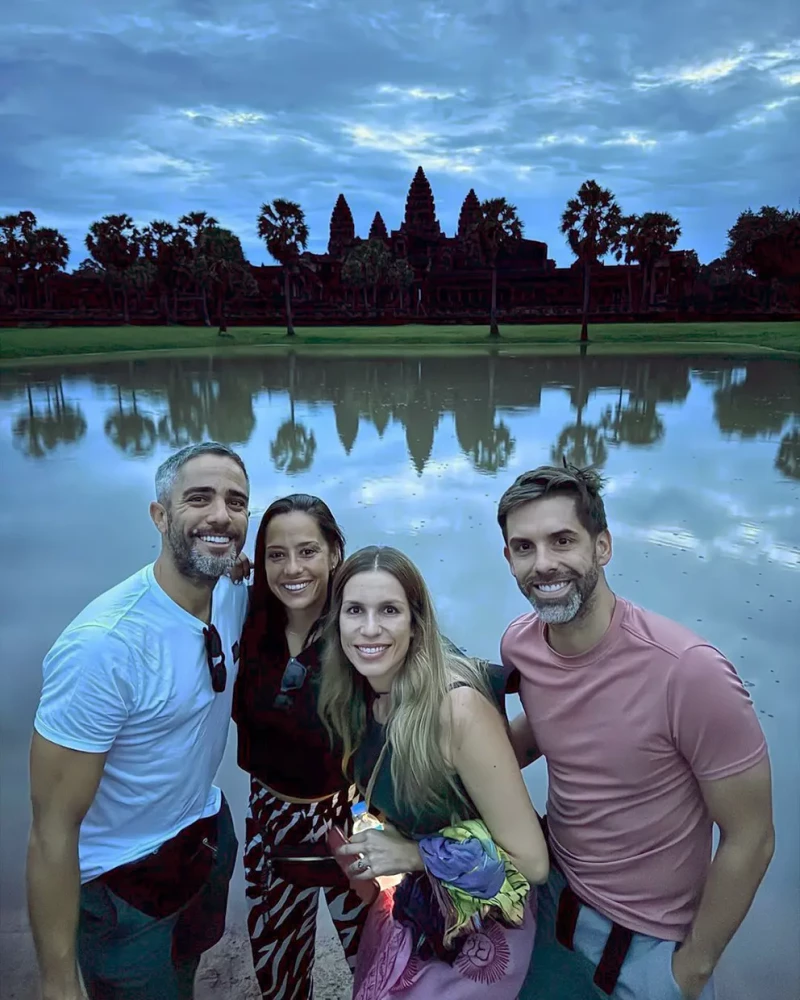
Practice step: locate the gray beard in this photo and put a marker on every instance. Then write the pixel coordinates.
(574, 606)
(198, 566)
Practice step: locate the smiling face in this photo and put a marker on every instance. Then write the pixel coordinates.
(375, 626)
(554, 559)
(299, 561)
(204, 525)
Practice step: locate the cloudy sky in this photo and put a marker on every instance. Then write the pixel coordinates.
(158, 107)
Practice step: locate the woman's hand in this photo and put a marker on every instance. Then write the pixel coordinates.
(377, 853)
(241, 569)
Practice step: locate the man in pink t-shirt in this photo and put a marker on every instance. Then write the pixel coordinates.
(650, 738)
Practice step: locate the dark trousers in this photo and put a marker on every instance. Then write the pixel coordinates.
(125, 954)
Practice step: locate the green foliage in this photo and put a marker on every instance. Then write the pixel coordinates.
(592, 223)
(282, 226)
(752, 226)
(499, 227)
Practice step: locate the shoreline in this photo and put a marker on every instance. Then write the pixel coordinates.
(24, 345)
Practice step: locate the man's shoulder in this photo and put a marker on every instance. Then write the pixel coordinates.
(523, 627)
(102, 622)
(660, 633)
(521, 642)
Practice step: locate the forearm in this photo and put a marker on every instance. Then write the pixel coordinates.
(53, 884)
(733, 879)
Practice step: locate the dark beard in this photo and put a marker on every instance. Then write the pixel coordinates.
(194, 565)
(574, 606)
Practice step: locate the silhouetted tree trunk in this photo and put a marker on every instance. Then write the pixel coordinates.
(494, 329)
(287, 298)
(587, 277)
(645, 286)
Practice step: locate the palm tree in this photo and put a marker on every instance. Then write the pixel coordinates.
(15, 234)
(591, 222)
(354, 274)
(498, 228)
(224, 265)
(194, 267)
(655, 235)
(166, 247)
(626, 249)
(48, 253)
(196, 222)
(282, 225)
(115, 243)
(401, 275)
(367, 265)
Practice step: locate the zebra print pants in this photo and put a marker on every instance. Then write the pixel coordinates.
(282, 917)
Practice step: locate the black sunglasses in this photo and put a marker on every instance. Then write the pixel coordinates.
(294, 677)
(214, 652)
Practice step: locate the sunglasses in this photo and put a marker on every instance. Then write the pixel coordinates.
(214, 653)
(294, 677)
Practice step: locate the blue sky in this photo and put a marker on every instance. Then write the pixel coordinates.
(158, 107)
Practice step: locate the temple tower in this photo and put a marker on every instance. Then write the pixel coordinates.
(470, 215)
(343, 230)
(377, 231)
(420, 218)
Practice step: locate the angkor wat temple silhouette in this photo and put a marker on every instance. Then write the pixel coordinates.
(450, 282)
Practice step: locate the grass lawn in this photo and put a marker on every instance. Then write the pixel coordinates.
(62, 341)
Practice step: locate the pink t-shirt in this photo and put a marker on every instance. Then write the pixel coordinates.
(626, 728)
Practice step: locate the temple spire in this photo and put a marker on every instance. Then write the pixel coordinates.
(420, 217)
(470, 215)
(343, 230)
(377, 231)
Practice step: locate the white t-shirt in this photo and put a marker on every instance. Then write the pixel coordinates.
(129, 676)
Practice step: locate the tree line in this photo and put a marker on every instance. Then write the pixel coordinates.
(200, 257)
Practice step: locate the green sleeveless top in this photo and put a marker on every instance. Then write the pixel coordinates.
(410, 822)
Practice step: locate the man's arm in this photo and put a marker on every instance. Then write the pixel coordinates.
(741, 805)
(63, 786)
(523, 742)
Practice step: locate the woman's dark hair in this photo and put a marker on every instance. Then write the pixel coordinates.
(266, 617)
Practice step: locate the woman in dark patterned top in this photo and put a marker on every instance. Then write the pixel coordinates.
(297, 789)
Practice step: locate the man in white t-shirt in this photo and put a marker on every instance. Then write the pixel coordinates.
(132, 846)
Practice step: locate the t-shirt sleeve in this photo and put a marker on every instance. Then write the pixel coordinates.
(711, 715)
(87, 691)
(506, 648)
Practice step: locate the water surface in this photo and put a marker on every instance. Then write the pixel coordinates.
(702, 457)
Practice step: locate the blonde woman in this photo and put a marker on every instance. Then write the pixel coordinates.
(428, 747)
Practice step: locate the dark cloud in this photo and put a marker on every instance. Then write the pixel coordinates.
(185, 104)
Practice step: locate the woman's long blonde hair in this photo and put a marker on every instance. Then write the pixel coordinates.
(421, 777)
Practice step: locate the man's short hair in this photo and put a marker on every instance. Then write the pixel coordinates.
(584, 485)
(168, 471)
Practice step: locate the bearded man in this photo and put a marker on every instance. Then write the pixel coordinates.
(132, 846)
(650, 738)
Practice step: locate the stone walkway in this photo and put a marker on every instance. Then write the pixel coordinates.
(226, 972)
